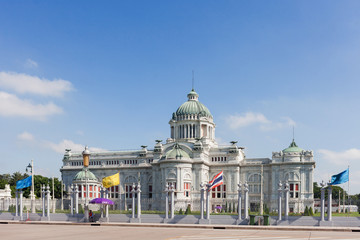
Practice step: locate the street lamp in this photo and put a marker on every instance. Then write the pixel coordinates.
(86, 157)
(30, 168)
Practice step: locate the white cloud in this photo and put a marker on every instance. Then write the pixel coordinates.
(23, 83)
(251, 118)
(238, 121)
(26, 136)
(31, 63)
(68, 144)
(340, 158)
(11, 105)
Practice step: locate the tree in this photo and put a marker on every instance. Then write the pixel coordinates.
(226, 206)
(229, 208)
(306, 212)
(311, 213)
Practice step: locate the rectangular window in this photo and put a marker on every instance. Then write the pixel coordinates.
(150, 191)
(219, 192)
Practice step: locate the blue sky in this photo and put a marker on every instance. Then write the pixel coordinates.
(110, 74)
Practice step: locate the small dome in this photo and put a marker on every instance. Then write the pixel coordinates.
(292, 148)
(193, 107)
(83, 175)
(177, 153)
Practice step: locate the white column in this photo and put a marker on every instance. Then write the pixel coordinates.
(71, 200)
(21, 205)
(329, 203)
(246, 201)
(76, 196)
(286, 189)
(17, 203)
(166, 201)
(207, 201)
(322, 201)
(239, 201)
(48, 202)
(279, 201)
(202, 190)
(138, 201)
(133, 201)
(172, 190)
(107, 206)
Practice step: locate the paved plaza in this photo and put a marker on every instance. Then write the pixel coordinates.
(87, 232)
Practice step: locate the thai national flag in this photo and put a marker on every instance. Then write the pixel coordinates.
(216, 181)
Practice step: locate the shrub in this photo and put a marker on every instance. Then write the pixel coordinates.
(181, 211)
(226, 207)
(306, 212)
(311, 213)
(188, 210)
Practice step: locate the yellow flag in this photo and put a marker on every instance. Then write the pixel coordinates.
(111, 180)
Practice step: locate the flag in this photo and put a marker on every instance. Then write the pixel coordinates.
(111, 180)
(342, 177)
(24, 183)
(216, 181)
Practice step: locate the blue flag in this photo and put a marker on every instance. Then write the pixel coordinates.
(24, 183)
(342, 177)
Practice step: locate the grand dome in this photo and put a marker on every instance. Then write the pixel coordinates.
(193, 107)
(85, 174)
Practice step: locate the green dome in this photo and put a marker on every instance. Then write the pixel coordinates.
(177, 153)
(193, 106)
(83, 175)
(293, 148)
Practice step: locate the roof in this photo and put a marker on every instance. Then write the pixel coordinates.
(85, 174)
(177, 153)
(193, 107)
(293, 148)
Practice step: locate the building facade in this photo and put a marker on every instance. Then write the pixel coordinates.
(191, 156)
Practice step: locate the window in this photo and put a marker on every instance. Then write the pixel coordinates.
(219, 192)
(150, 191)
(113, 192)
(187, 187)
(254, 182)
(128, 193)
(294, 190)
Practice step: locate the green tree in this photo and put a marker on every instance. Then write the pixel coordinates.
(311, 213)
(226, 207)
(306, 212)
(229, 208)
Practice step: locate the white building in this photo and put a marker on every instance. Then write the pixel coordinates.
(192, 156)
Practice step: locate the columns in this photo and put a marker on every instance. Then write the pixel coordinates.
(17, 203)
(21, 205)
(43, 200)
(76, 196)
(329, 203)
(322, 201)
(279, 201)
(107, 206)
(133, 201)
(166, 201)
(286, 189)
(138, 200)
(48, 201)
(246, 201)
(239, 201)
(208, 201)
(172, 209)
(202, 190)
(102, 196)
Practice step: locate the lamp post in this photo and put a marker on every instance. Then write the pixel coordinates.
(30, 168)
(86, 157)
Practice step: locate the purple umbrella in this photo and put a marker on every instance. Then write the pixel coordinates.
(102, 201)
